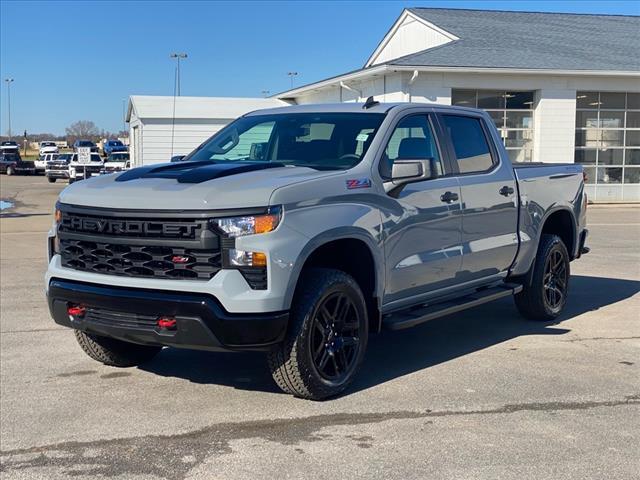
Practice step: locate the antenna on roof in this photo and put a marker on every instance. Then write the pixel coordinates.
(370, 103)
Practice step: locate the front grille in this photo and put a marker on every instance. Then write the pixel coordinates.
(140, 260)
(144, 245)
(111, 318)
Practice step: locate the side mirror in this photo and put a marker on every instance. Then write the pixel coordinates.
(408, 171)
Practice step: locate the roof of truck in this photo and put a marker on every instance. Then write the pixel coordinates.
(353, 107)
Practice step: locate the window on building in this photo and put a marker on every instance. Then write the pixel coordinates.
(469, 143)
(608, 136)
(512, 112)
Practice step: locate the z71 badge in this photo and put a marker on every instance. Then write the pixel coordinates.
(358, 183)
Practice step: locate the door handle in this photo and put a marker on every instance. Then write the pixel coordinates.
(449, 197)
(506, 191)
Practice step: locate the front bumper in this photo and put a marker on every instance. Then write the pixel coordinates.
(57, 173)
(130, 314)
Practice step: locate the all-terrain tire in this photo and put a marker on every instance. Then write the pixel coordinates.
(115, 353)
(291, 363)
(532, 302)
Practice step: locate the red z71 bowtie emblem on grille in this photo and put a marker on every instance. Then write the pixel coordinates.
(179, 259)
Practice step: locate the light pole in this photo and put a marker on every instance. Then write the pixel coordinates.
(178, 57)
(265, 93)
(9, 82)
(176, 91)
(291, 75)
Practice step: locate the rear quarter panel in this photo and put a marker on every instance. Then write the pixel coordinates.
(545, 189)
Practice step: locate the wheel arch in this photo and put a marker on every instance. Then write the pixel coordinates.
(561, 221)
(353, 251)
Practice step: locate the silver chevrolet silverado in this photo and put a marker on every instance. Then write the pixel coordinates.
(300, 231)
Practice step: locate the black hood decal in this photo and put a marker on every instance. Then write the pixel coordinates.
(195, 172)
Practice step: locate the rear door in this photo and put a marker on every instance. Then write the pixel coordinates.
(488, 193)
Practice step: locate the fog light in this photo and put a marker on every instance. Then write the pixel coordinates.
(241, 258)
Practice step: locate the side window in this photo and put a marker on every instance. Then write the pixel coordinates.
(250, 144)
(412, 139)
(469, 143)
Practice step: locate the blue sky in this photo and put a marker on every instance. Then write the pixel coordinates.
(79, 60)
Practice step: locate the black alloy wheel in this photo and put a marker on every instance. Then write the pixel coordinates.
(555, 280)
(335, 337)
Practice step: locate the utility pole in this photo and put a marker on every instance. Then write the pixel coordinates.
(9, 82)
(124, 116)
(176, 91)
(291, 75)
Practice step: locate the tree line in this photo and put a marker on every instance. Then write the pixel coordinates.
(80, 130)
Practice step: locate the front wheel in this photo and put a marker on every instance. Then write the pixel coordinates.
(51, 180)
(71, 180)
(327, 337)
(115, 353)
(545, 298)
(10, 171)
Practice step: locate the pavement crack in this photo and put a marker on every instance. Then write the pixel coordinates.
(588, 339)
(146, 455)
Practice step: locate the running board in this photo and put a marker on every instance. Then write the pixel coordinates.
(416, 316)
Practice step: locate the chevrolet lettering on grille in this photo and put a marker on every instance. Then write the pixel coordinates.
(128, 227)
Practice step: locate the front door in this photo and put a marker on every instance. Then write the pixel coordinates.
(422, 219)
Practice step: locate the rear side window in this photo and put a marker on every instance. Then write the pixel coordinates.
(469, 143)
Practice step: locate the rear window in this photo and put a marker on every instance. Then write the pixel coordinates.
(469, 143)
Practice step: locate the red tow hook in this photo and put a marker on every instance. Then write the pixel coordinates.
(167, 323)
(76, 311)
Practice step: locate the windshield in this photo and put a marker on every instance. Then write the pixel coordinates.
(324, 141)
(85, 143)
(118, 157)
(114, 143)
(66, 157)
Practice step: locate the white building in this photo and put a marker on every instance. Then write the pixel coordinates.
(560, 87)
(160, 128)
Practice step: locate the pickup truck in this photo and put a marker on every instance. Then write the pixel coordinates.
(81, 171)
(12, 164)
(300, 231)
(57, 166)
(116, 162)
(113, 146)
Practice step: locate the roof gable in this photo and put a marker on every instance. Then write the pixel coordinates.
(409, 34)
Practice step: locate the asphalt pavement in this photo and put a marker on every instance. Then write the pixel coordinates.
(479, 395)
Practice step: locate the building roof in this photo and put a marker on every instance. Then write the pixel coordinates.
(160, 107)
(531, 40)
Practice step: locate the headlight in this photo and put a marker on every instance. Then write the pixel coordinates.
(250, 225)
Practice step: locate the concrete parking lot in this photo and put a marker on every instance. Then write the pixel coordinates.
(479, 395)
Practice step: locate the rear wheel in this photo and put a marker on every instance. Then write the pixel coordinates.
(545, 298)
(51, 180)
(115, 353)
(327, 339)
(10, 171)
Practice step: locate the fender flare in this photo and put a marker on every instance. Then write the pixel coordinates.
(331, 235)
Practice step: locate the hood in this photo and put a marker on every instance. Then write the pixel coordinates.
(188, 186)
